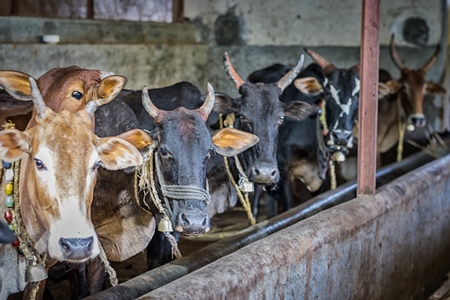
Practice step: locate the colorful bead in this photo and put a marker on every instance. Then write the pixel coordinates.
(6, 164)
(9, 175)
(11, 227)
(8, 188)
(16, 243)
(9, 201)
(8, 216)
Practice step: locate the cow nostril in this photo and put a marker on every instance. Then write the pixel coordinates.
(257, 171)
(205, 222)
(185, 219)
(64, 244)
(274, 173)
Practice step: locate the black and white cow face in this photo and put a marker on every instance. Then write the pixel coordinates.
(341, 90)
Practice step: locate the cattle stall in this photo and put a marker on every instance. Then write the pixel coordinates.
(390, 245)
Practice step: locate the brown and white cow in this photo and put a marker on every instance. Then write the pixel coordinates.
(401, 100)
(59, 159)
(69, 88)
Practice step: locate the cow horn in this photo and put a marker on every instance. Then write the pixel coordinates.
(90, 108)
(38, 101)
(208, 105)
(432, 59)
(231, 72)
(152, 110)
(291, 75)
(394, 54)
(322, 62)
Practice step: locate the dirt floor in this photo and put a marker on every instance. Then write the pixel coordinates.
(223, 225)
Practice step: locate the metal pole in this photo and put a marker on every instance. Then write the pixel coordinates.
(368, 106)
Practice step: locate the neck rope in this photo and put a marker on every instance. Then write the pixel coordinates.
(145, 181)
(244, 185)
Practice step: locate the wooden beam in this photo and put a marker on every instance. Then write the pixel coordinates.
(368, 106)
(177, 11)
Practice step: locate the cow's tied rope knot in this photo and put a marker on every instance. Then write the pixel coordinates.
(244, 185)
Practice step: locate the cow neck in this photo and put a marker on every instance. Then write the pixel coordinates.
(245, 185)
(25, 243)
(401, 126)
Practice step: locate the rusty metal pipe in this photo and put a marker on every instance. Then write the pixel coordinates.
(158, 277)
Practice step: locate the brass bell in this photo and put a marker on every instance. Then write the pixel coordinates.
(35, 272)
(246, 186)
(165, 225)
(339, 156)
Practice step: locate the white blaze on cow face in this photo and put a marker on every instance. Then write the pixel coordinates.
(69, 225)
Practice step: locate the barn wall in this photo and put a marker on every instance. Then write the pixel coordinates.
(393, 245)
(147, 53)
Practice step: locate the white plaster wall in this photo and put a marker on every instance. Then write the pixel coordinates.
(313, 22)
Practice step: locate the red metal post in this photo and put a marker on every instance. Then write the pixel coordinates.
(368, 106)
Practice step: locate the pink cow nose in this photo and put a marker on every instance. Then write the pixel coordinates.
(76, 248)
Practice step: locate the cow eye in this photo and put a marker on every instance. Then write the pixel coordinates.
(163, 151)
(211, 152)
(77, 95)
(245, 121)
(40, 165)
(280, 121)
(97, 165)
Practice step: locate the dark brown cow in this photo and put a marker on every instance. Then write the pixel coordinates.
(401, 101)
(59, 159)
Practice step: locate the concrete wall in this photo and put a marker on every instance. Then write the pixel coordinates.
(394, 245)
(147, 53)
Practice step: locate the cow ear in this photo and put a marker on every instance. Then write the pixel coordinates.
(16, 84)
(231, 142)
(435, 89)
(309, 86)
(117, 154)
(109, 88)
(138, 138)
(298, 110)
(14, 144)
(225, 104)
(383, 90)
(394, 85)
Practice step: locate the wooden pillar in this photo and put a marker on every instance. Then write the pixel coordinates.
(368, 106)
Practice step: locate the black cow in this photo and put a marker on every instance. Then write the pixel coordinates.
(260, 112)
(306, 147)
(181, 145)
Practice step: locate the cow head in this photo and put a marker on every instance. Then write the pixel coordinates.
(183, 145)
(413, 83)
(60, 156)
(69, 88)
(259, 111)
(340, 90)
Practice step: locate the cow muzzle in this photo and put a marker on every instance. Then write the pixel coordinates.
(76, 249)
(264, 174)
(417, 120)
(341, 138)
(192, 222)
